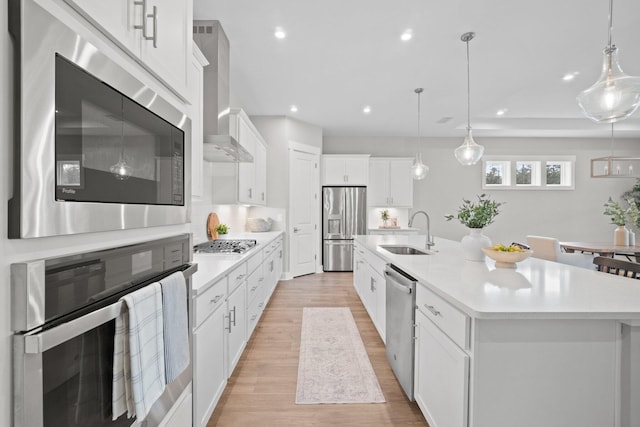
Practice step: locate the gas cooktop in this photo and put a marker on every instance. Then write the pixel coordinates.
(225, 246)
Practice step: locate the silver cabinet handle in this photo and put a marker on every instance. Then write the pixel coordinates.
(234, 315)
(250, 193)
(261, 304)
(239, 277)
(261, 279)
(143, 26)
(228, 328)
(215, 299)
(154, 37)
(432, 310)
(254, 317)
(254, 288)
(263, 196)
(373, 284)
(296, 229)
(271, 268)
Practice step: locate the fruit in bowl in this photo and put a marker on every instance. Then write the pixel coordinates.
(507, 256)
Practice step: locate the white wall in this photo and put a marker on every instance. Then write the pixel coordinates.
(568, 215)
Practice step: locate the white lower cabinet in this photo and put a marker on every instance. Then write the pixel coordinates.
(181, 414)
(236, 325)
(209, 376)
(441, 386)
(368, 279)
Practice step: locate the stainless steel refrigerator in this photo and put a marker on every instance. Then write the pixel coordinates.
(344, 215)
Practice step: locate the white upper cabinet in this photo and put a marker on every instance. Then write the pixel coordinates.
(252, 176)
(198, 61)
(157, 33)
(390, 182)
(345, 169)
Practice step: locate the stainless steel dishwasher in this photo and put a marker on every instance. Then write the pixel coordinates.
(400, 333)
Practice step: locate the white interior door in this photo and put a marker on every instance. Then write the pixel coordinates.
(304, 212)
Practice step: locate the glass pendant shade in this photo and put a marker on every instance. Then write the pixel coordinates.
(469, 153)
(614, 96)
(419, 170)
(121, 170)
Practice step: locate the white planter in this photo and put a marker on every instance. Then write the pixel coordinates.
(621, 236)
(473, 243)
(632, 238)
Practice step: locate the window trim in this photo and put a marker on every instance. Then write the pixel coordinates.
(539, 181)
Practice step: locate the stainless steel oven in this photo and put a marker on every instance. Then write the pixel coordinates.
(64, 312)
(95, 148)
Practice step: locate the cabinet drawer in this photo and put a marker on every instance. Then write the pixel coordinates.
(209, 301)
(255, 284)
(255, 311)
(254, 262)
(237, 276)
(449, 319)
(377, 263)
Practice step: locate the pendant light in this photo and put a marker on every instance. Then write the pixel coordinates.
(469, 153)
(615, 96)
(615, 167)
(418, 169)
(121, 170)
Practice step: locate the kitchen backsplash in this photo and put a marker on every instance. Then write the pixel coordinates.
(234, 216)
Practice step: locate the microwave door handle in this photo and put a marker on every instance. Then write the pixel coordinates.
(40, 342)
(190, 271)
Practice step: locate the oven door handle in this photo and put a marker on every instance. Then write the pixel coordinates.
(42, 341)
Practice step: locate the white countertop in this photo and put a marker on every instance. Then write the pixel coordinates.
(212, 267)
(536, 289)
(394, 229)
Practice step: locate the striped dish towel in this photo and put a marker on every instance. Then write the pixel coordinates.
(176, 325)
(138, 354)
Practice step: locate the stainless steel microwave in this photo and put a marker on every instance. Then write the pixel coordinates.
(95, 148)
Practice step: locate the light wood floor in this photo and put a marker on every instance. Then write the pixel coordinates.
(262, 389)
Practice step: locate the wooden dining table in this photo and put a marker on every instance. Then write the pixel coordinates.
(602, 249)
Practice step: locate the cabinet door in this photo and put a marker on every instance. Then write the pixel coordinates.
(195, 111)
(236, 325)
(246, 170)
(170, 54)
(380, 301)
(360, 274)
(357, 170)
(260, 160)
(441, 376)
(116, 18)
(209, 376)
(400, 183)
(333, 172)
(378, 188)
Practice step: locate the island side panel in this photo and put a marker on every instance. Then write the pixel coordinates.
(552, 373)
(630, 376)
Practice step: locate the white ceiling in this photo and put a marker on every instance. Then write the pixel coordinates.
(340, 55)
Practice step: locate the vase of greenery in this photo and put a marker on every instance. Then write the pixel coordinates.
(384, 216)
(476, 216)
(618, 217)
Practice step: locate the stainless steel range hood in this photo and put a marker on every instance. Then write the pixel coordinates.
(219, 145)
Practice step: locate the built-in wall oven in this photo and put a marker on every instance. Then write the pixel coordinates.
(95, 148)
(64, 312)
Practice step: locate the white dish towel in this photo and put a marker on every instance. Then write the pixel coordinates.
(176, 325)
(138, 354)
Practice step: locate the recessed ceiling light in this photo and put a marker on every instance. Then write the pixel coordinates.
(570, 76)
(293, 109)
(501, 112)
(366, 109)
(280, 34)
(406, 36)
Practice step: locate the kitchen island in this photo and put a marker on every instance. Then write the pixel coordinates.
(544, 344)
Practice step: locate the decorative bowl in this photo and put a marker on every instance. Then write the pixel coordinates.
(259, 225)
(506, 259)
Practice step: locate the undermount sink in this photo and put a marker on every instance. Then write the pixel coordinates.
(404, 250)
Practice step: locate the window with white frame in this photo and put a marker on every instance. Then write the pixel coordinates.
(528, 172)
(497, 174)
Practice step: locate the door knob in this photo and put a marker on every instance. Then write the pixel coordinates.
(296, 229)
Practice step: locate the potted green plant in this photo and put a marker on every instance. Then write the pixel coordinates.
(222, 229)
(618, 217)
(384, 215)
(476, 216)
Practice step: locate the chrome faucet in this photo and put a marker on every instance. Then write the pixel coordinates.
(430, 241)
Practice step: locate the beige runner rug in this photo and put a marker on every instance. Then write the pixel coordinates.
(334, 366)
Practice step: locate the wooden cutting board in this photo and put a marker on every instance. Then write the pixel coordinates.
(212, 224)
